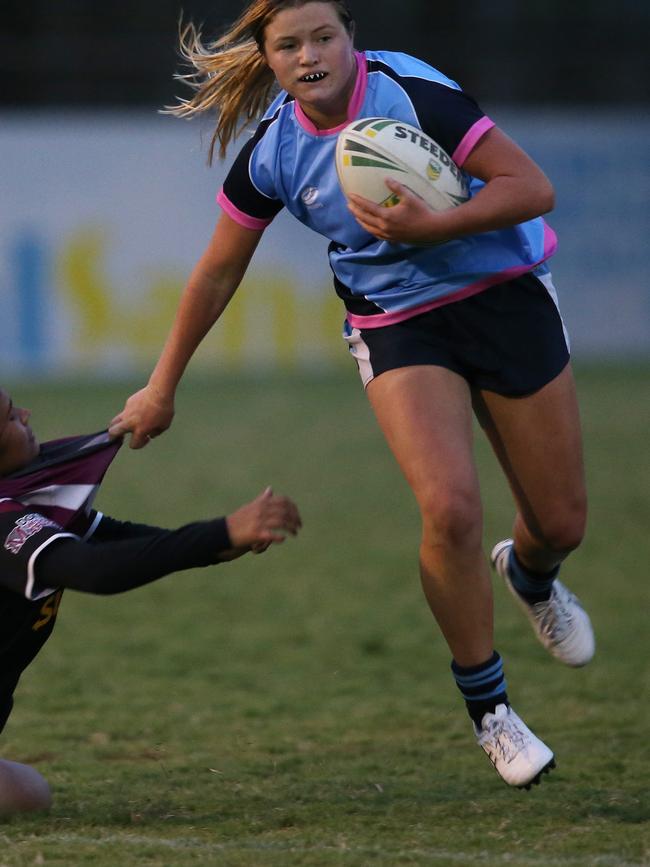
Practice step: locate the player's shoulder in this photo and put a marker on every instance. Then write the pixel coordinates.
(277, 119)
(281, 103)
(271, 128)
(397, 65)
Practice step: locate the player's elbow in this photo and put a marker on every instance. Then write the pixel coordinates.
(543, 196)
(547, 197)
(536, 195)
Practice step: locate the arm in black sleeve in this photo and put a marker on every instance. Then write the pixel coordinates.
(115, 566)
(112, 530)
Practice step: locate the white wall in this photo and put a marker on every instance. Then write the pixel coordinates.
(102, 217)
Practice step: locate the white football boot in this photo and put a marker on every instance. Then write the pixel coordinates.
(518, 756)
(560, 623)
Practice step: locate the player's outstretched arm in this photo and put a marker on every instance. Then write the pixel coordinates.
(212, 284)
(128, 556)
(267, 520)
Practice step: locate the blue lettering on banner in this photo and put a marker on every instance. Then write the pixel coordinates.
(28, 262)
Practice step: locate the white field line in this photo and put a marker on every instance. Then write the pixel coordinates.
(431, 855)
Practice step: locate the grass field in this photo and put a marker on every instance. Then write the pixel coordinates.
(297, 708)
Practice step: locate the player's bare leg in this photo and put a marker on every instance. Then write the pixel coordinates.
(426, 416)
(538, 442)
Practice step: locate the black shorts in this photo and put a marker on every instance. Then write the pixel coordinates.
(509, 339)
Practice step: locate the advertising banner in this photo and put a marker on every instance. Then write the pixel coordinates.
(102, 217)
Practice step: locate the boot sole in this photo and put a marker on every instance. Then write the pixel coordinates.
(538, 779)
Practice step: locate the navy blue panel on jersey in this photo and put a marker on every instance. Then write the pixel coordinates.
(239, 185)
(441, 109)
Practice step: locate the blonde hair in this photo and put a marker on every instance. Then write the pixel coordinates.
(230, 75)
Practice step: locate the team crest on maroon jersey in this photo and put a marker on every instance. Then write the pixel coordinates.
(26, 527)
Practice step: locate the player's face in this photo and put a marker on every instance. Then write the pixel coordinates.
(312, 56)
(18, 445)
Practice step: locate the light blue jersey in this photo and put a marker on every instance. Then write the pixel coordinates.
(290, 163)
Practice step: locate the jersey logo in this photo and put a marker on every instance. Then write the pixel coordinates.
(309, 196)
(25, 528)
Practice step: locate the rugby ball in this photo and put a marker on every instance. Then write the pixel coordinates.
(375, 148)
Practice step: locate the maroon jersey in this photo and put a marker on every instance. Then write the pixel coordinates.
(49, 499)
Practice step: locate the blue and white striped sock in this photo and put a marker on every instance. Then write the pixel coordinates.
(531, 586)
(482, 686)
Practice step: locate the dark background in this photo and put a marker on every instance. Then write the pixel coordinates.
(105, 54)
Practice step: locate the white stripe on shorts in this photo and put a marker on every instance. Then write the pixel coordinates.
(359, 349)
(547, 281)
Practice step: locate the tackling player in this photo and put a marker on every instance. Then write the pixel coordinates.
(52, 539)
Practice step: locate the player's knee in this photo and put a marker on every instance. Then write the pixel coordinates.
(451, 519)
(22, 789)
(565, 532)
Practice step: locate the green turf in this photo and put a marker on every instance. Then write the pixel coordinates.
(296, 708)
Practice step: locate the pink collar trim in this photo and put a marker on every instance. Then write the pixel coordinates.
(354, 106)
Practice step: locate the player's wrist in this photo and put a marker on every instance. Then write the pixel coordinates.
(161, 393)
(443, 226)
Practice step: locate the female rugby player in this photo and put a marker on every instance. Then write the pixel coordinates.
(52, 539)
(447, 314)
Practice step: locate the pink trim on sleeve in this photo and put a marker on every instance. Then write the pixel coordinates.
(239, 216)
(470, 139)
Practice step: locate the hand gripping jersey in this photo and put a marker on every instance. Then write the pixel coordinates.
(290, 163)
(48, 500)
